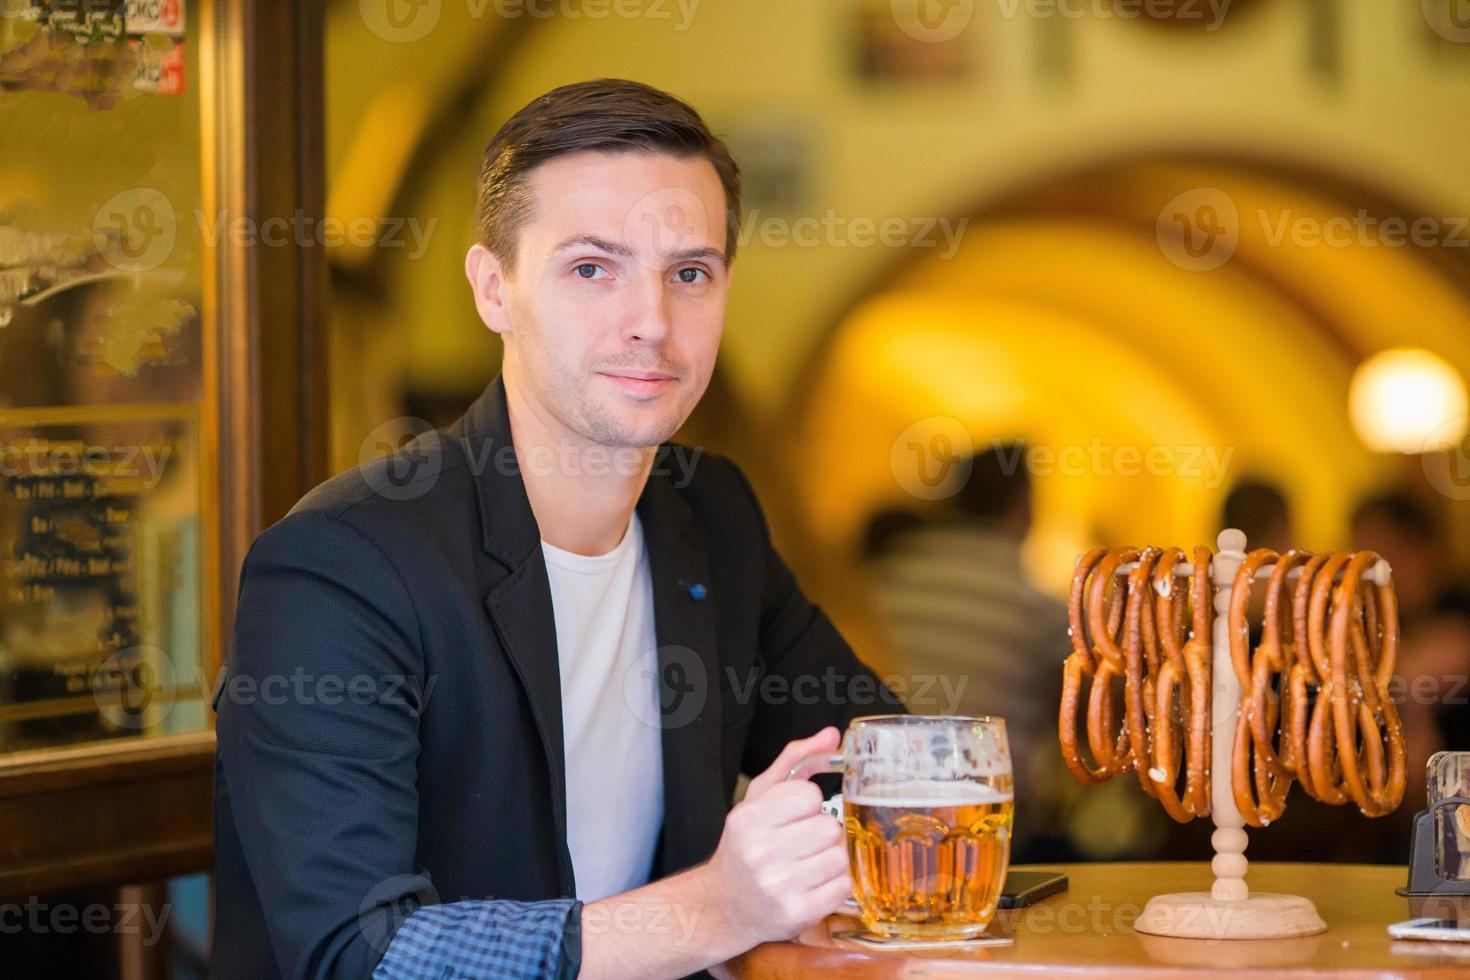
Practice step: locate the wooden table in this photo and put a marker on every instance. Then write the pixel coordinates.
(1087, 931)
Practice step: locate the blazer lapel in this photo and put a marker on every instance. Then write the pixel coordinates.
(519, 602)
(688, 674)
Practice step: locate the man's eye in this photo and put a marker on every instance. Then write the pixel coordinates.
(691, 275)
(587, 270)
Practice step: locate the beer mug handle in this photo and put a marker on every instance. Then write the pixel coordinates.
(816, 765)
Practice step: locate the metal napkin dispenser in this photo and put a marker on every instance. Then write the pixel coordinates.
(1439, 851)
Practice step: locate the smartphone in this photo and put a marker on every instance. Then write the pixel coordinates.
(1023, 888)
(1439, 930)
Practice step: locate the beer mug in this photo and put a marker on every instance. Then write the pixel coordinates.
(928, 806)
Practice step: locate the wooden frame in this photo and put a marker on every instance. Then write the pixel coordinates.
(139, 810)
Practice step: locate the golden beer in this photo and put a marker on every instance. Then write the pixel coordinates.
(928, 859)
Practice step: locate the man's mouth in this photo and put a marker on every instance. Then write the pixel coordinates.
(639, 382)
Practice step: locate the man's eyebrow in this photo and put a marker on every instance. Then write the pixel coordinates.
(618, 248)
(592, 241)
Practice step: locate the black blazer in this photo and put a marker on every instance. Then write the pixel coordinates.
(390, 731)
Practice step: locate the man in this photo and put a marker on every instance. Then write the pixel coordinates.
(522, 678)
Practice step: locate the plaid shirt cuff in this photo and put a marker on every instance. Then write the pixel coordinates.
(491, 938)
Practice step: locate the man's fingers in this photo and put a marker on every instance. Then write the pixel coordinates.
(823, 742)
(814, 834)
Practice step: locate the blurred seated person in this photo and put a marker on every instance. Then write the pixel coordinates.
(1258, 507)
(972, 635)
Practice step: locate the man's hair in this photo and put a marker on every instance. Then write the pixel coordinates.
(611, 115)
(1256, 506)
(999, 484)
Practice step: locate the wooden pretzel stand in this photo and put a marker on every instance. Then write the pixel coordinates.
(1274, 714)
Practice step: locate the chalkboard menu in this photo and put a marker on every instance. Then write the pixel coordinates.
(105, 428)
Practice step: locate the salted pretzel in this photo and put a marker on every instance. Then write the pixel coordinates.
(1314, 704)
(1083, 661)
(1181, 719)
(1262, 770)
(1133, 628)
(1363, 645)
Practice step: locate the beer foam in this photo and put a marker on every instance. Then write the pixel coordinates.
(928, 793)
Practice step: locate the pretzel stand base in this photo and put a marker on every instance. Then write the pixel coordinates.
(1228, 910)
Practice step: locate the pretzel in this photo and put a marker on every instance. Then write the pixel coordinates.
(1079, 664)
(1314, 703)
(1138, 688)
(1260, 775)
(1182, 693)
(1361, 707)
(1133, 629)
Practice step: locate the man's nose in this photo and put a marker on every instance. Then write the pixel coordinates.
(648, 321)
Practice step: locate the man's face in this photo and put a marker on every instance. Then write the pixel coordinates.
(613, 313)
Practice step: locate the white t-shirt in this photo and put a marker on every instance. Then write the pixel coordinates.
(614, 758)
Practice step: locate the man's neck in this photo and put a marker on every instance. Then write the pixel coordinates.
(583, 494)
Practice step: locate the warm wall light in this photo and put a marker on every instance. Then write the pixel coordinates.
(1402, 399)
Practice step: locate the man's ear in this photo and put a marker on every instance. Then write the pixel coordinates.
(487, 278)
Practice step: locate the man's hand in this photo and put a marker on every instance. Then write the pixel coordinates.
(781, 864)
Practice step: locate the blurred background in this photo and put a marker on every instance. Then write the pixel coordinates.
(1016, 278)
(1205, 265)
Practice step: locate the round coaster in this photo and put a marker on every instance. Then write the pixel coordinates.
(870, 941)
